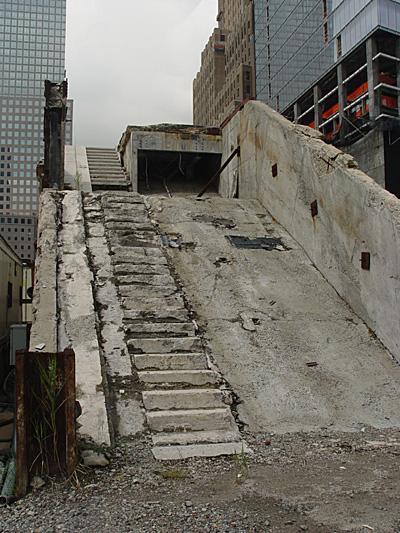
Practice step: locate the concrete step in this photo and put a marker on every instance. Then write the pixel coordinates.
(161, 400)
(191, 361)
(148, 330)
(176, 453)
(143, 291)
(191, 420)
(196, 437)
(159, 315)
(194, 378)
(165, 345)
(141, 269)
(151, 280)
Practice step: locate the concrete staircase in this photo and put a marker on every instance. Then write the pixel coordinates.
(106, 173)
(187, 410)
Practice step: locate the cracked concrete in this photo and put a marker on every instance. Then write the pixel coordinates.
(310, 362)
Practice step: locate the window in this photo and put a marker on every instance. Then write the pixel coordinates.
(9, 295)
(325, 8)
(326, 33)
(339, 45)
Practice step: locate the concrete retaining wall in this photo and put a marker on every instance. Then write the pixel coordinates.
(287, 167)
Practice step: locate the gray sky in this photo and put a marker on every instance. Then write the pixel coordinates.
(133, 62)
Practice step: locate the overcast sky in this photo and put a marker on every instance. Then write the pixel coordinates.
(133, 62)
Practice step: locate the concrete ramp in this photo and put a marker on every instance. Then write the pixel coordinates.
(293, 351)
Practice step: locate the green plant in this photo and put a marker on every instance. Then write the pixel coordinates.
(78, 180)
(242, 465)
(173, 474)
(46, 398)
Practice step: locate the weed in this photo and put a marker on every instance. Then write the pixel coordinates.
(78, 180)
(242, 465)
(173, 474)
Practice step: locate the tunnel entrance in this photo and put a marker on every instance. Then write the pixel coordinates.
(165, 172)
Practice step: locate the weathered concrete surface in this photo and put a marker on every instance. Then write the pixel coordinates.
(126, 411)
(76, 167)
(44, 305)
(369, 152)
(355, 214)
(166, 138)
(299, 320)
(77, 325)
(149, 344)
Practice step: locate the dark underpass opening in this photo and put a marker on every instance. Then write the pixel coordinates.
(176, 172)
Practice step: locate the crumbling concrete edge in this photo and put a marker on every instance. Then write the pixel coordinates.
(77, 327)
(44, 336)
(116, 362)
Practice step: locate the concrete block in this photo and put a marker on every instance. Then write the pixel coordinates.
(191, 420)
(196, 378)
(193, 361)
(196, 437)
(152, 280)
(166, 345)
(182, 399)
(163, 315)
(158, 329)
(176, 453)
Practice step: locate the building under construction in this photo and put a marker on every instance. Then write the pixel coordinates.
(334, 66)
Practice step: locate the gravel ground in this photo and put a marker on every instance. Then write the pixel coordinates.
(321, 482)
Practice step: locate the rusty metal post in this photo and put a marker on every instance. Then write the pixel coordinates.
(54, 134)
(21, 426)
(70, 411)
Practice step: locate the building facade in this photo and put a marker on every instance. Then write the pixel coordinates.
(334, 65)
(32, 49)
(227, 74)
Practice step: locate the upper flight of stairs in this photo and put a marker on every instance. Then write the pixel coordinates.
(106, 173)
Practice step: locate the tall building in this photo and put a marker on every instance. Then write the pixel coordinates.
(334, 65)
(32, 49)
(226, 77)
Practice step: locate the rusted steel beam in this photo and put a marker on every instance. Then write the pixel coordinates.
(54, 134)
(217, 175)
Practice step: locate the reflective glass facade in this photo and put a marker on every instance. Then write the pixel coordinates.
(32, 49)
(298, 41)
(294, 47)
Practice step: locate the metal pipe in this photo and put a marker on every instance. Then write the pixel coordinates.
(328, 95)
(306, 112)
(329, 120)
(387, 86)
(230, 158)
(387, 56)
(360, 99)
(355, 73)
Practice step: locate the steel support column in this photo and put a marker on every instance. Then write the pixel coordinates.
(373, 78)
(317, 107)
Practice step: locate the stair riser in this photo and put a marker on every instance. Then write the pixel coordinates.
(166, 362)
(180, 422)
(164, 401)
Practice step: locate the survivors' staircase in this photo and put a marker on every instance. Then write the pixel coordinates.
(106, 173)
(187, 409)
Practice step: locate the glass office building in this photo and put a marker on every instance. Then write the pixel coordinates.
(294, 47)
(32, 49)
(299, 42)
